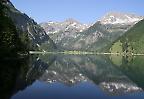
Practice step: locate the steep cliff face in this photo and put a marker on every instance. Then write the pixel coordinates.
(27, 27)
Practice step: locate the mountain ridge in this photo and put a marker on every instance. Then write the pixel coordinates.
(97, 35)
(120, 18)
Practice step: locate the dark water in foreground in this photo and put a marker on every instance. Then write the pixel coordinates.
(72, 77)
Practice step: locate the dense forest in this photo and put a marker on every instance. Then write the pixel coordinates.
(10, 42)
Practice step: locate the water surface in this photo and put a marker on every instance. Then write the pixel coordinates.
(72, 77)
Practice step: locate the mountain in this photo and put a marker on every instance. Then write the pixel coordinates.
(131, 41)
(27, 28)
(9, 41)
(93, 37)
(59, 31)
(69, 25)
(120, 18)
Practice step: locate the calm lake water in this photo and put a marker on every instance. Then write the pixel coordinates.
(72, 77)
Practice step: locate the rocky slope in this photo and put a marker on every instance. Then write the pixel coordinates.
(69, 25)
(27, 27)
(59, 31)
(94, 37)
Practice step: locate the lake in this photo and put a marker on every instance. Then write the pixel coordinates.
(59, 76)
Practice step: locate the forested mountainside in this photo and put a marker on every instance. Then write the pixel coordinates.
(10, 43)
(30, 34)
(131, 42)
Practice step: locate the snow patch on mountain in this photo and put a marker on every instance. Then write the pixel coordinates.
(68, 25)
(120, 18)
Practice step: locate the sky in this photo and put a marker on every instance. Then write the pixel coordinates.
(85, 11)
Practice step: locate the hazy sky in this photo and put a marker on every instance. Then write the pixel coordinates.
(86, 11)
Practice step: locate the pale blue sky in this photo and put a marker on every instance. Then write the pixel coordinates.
(86, 11)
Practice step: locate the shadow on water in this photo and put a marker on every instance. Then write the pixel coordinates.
(98, 75)
(11, 74)
(18, 73)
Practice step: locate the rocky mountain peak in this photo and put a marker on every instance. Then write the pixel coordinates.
(120, 18)
(67, 26)
(71, 20)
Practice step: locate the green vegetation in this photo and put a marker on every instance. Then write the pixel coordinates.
(117, 47)
(131, 42)
(133, 67)
(48, 46)
(10, 42)
(25, 41)
(116, 59)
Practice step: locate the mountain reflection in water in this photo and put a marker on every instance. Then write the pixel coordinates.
(72, 77)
